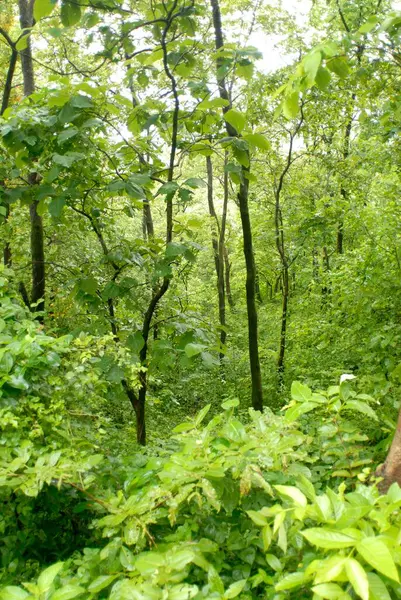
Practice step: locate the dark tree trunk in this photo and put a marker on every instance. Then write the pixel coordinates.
(218, 246)
(257, 287)
(283, 331)
(7, 254)
(37, 255)
(343, 191)
(37, 247)
(227, 276)
(281, 249)
(243, 197)
(326, 268)
(253, 336)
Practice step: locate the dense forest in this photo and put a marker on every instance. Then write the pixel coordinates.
(200, 299)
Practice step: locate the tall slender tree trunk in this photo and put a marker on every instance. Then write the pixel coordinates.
(217, 244)
(7, 253)
(343, 189)
(37, 247)
(227, 277)
(243, 197)
(283, 330)
(157, 294)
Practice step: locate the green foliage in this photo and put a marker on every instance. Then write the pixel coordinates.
(228, 514)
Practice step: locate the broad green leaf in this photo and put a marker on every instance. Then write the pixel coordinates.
(179, 592)
(300, 392)
(70, 13)
(330, 569)
(192, 349)
(236, 119)
(289, 491)
(294, 412)
(148, 562)
(235, 589)
(328, 591)
(168, 188)
(81, 101)
(369, 24)
(274, 562)
(68, 159)
(213, 103)
(377, 588)
(328, 538)
(22, 43)
(127, 559)
(358, 578)
(322, 78)
(376, 553)
(195, 182)
(257, 518)
(135, 342)
(47, 577)
(56, 206)
(266, 537)
(178, 559)
(291, 581)
(202, 414)
(66, 134)
(12, 592)
(361, 407)
(311, 64)
(258, 140)
(43, 8)
(101, 582)
(174, 249)
(68, 592)
(338, 66)
(88, 285)
(233, 403)
(187, 426)
(291, 105)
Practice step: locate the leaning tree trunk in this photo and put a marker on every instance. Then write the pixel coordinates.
(37, 247)
(243, 198)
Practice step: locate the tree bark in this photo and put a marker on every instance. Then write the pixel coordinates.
(218, 245)
(243, 197)
(7, 253)
(227, 277)
(343, 190)
(37, 247)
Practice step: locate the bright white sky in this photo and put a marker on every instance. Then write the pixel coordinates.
(274, 58)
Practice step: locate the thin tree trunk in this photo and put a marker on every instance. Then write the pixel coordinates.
(243, 197)
(280, 244)
(343, 190)
(7, 254)
(37, 247)
(158, 294)
(326, 268)
(283, 331)
(217, 244)
(227, 276)
(257, 288)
